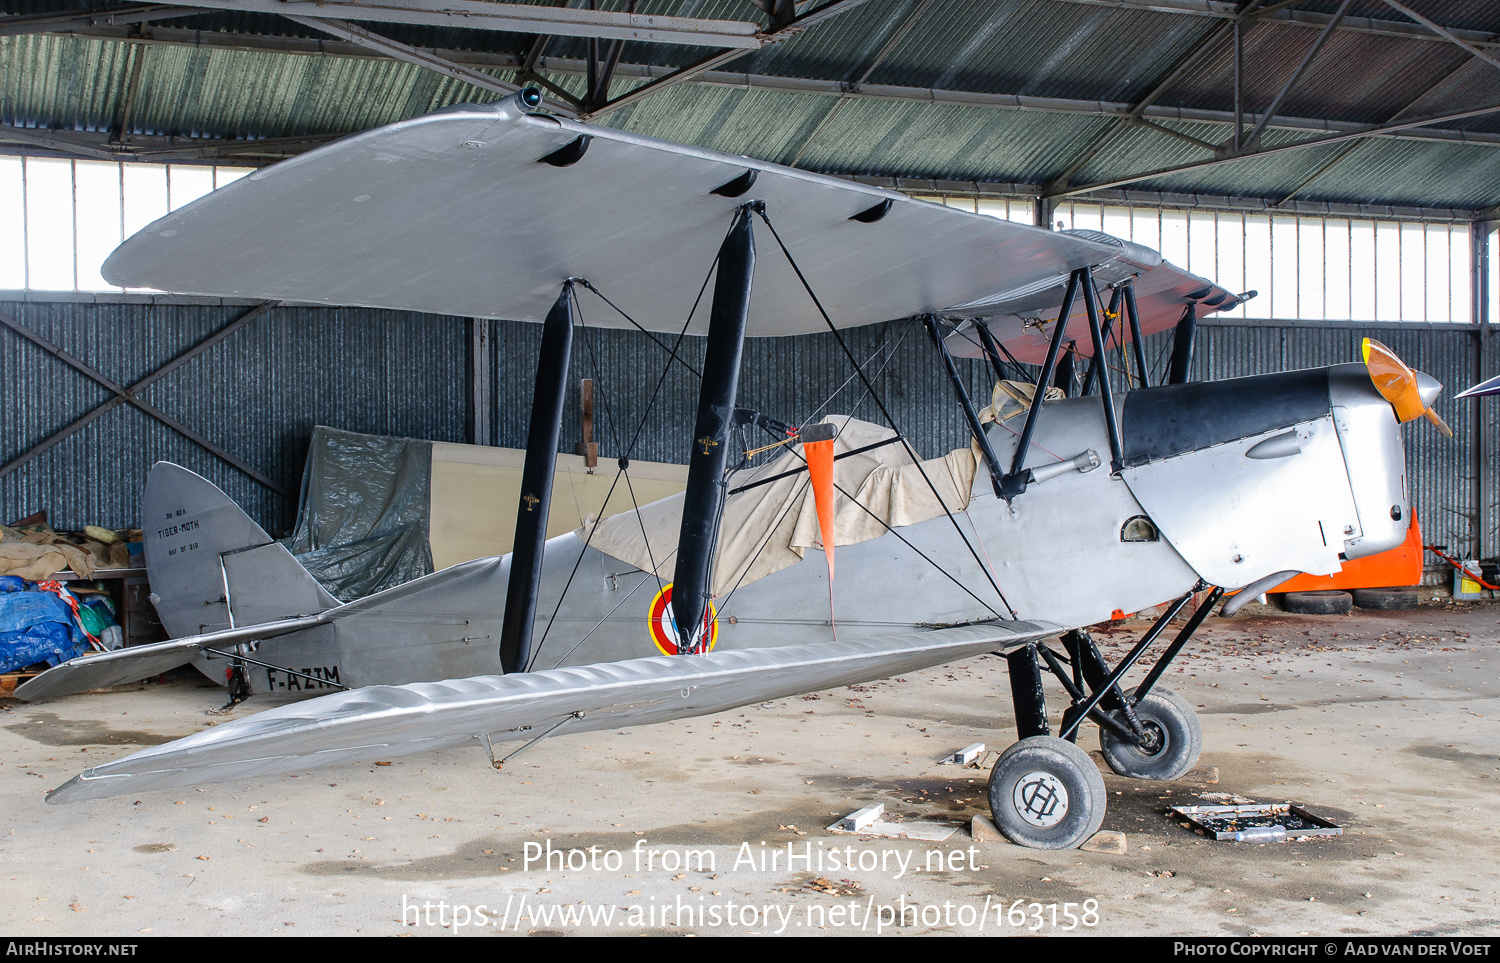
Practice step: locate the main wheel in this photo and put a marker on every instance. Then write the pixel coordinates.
(1174, 739)
(1046, 793)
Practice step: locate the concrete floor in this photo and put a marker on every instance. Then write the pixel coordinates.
(1383, 722)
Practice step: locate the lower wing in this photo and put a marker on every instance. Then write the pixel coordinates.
(379, 722)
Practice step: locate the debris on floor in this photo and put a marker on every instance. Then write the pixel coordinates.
(1255, 822)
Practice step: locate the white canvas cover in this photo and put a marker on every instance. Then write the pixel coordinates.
(769, 528)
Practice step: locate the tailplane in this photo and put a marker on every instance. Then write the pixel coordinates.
(211, 566)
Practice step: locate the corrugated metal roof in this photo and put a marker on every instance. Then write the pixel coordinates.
(1059, 50)
(1355, 77)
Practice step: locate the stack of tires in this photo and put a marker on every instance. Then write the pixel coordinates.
(1340, 603)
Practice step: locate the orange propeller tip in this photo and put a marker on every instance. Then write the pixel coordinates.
(1442, 425)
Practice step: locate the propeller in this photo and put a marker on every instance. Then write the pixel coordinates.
(1409, 392)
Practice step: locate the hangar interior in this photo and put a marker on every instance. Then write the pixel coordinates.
(1340, 158)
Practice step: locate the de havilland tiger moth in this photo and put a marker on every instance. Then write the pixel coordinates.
(725, 595)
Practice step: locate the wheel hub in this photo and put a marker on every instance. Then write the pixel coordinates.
(1040, 799)
(1153, 740)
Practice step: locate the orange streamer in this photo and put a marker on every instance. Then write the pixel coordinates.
(819, 455)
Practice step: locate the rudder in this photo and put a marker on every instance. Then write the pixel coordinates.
(211, 567)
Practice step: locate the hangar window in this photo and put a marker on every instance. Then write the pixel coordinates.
(1306, 268)
(59, 219)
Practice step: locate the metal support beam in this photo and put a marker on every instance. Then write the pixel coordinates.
(854, 86)
(1230, 158)
(602, 72)
(831, 9)
(1042, 209)
(481, 381)
(531, 65)
(1481, 237)
(1481, 234)
(1307, 59)
(132, 88)
(157, 149)
(1445, 33)
(1327, 166)
(131, 395)
(691, 577)
(548, 394)
(1239, 85)
(1352, 146)
(1181, 67)
(421, 58)
(516, 18)
(1282, 15)
(53, 22)
(1185, 138)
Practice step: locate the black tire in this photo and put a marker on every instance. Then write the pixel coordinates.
(1046, 793)
(1179, 739)
(1385, 598)
(1317, 603)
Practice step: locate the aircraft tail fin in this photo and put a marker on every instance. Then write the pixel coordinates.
(211, 566)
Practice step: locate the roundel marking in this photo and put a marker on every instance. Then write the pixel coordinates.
(664, 627)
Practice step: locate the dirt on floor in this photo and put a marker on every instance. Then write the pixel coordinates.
(1382, 722)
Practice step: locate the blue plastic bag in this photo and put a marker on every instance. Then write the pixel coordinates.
(37, 627)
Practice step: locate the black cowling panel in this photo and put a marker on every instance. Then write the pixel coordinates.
(1161, 422)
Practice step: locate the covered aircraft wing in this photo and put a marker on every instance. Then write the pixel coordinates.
(466, 212)
(1022, 320)
(385, 721)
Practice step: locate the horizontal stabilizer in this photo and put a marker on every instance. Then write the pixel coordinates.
(100, 669)
(384, 721)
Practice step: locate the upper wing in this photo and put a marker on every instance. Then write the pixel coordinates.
(455, 213)
(1022, 319)
(385, 721)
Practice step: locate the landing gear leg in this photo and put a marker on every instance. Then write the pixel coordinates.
(1045, 792)
(1149, 732)
(239, 686)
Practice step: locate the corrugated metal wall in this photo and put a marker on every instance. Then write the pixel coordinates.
(257, 395)
(260, 392)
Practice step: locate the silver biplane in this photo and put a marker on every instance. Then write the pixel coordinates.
(725, 595)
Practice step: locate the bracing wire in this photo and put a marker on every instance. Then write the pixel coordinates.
(875, 396)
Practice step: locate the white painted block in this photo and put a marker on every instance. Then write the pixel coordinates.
(856, 821)
(967, 754)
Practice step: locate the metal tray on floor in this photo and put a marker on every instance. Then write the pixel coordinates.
(1255, 823)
